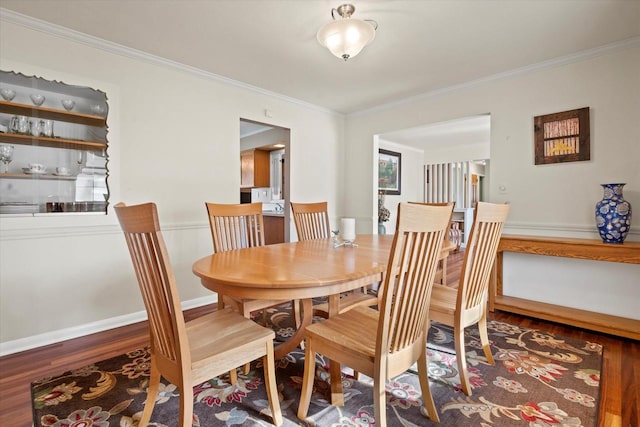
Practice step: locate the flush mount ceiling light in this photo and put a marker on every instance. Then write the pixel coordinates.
(346, 37)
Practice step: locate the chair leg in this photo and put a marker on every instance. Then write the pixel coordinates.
(152, 393)
(186, 404)
(444, 271)
(484, 338)
(270, 384)
(427, 397)
(462, 361)
(307, 380)
(380, 400)
(247, 315)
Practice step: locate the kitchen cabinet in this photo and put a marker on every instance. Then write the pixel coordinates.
(254, 168)
(273, 228)
(72, 147)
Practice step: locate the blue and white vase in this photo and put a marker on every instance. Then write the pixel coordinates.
(613, 214)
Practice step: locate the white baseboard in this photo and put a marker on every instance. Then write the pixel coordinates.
(28, 343)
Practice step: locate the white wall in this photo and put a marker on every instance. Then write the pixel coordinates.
(174, 140)
(553, 200)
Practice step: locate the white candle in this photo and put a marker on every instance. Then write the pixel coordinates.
(348, 229)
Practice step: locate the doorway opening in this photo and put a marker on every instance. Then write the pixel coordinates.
(441, 162)
(264, 174)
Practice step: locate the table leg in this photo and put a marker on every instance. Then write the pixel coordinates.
(335, 371)
(285, 348)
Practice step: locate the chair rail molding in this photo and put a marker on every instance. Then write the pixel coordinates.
(23, 233)
(560, 230)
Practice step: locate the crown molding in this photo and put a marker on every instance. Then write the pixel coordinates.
(118, 49)
(551, 63)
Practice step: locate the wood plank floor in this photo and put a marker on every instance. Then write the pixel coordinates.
(620, 377)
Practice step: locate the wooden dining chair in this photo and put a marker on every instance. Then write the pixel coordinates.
(239, 226)
(441, 273)
(467, 305)
(187, 354)
(312, 222)
(396, 335)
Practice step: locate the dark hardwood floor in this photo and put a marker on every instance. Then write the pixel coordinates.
(620, 388)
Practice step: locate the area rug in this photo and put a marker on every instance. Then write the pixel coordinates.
(538, 380)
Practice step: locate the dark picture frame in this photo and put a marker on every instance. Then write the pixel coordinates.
(389, 172)
(562, 137)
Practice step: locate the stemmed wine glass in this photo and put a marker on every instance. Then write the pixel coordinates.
(80, 160)
(6, 155)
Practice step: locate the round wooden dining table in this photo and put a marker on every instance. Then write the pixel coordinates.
(296, 271)
(300, 271)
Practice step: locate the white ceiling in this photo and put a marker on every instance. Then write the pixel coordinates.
(420, 46)
(251, 128)
(463, 131)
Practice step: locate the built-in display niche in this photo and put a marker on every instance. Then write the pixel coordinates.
(53, 147)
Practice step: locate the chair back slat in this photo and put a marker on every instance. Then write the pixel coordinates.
(406, 290)
(311, 220)
(236, 226)
(155, 279)
(480, 254)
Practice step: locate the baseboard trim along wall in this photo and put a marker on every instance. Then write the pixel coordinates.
(52, 337)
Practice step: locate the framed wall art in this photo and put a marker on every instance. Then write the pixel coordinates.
(389, 171)
(562, 137)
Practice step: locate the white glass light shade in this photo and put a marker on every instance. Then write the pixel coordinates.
(345, 38)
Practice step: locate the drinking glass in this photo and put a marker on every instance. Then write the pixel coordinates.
(46, 128)
(6, 155)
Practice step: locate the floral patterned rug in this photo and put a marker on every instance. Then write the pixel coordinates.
(538, 380)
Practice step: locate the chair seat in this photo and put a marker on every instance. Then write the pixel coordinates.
(346, 331)
(443, 299)
(222, 340)
(442, 307)
(347, 302)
